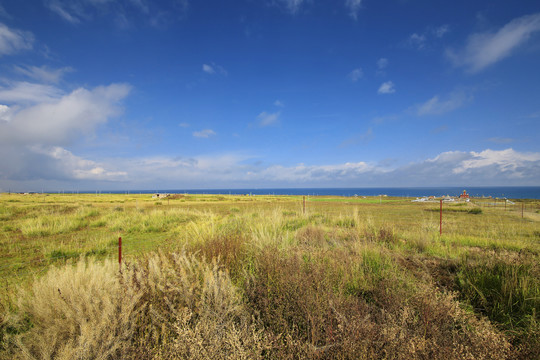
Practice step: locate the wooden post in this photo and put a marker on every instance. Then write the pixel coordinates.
(440, 222)
(120, 253)
(304, 207)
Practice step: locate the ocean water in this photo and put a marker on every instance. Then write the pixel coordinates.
(510, 192)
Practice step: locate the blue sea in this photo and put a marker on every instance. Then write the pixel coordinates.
(510, 192)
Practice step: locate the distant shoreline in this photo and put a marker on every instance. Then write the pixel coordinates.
(510, 192)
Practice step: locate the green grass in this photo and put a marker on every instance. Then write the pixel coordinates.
(303, 276)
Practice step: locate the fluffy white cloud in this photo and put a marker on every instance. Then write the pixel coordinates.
(56, 119)
(75, 167)
(485, 49)
(266, 119)
(43, 73)
(41, 122)
(387, 88)
(206, 133)
(438, 106)
(354, 7)
(356, 75)
(509, 161)
(453, 168)
(13, 41)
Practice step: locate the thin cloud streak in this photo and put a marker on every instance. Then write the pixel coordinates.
(485, 49)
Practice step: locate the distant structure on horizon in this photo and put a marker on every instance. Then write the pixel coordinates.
(464, 195)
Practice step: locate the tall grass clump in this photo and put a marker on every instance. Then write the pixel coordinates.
(83, 311)
(164, 306)
(507, 290)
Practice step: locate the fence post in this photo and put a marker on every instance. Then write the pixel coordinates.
(522, 210)
(440, 222)
(304, 206)
(120, 253)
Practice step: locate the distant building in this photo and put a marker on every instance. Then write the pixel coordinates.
(464, 195)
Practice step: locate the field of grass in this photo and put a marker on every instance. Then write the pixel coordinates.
(254, 277)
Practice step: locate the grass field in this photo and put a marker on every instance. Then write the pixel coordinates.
(249, 277)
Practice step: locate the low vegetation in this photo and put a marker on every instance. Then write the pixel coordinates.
(254, 277)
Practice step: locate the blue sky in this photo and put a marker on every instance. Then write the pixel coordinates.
(140, 94)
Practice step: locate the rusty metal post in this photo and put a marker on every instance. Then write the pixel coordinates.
(440, 222)
(304, 207)
(120, 253)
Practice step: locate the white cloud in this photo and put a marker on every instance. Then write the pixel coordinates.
(208, 69)
(441, 31)
(438, 106)
(38, 127)
(13, 41)
(354, 7)
(292, 6)
(266, 119)
(76, 167)
(155, 13)
(184, 125)
(355, 75)
(206, 133)
(387, 88)
(417, 40)
(5, 113)
(25, 92)
(279, 103)
(382, 63)
(452, 168)
(56, 117)
(214, 69)
(507, 161)
(485, 49)
(43, 73)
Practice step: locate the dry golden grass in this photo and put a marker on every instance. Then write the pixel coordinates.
(250, 277)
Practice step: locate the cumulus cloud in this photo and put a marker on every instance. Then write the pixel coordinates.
(387, 87)
(13, 41)
(43, 74)
(438, 106)
(354, 7)
(266, 119)
(206, 133)
(55, 118)
(484, 49)
(356, 75)
(508, 162)
(452, 168)
(38, 126)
